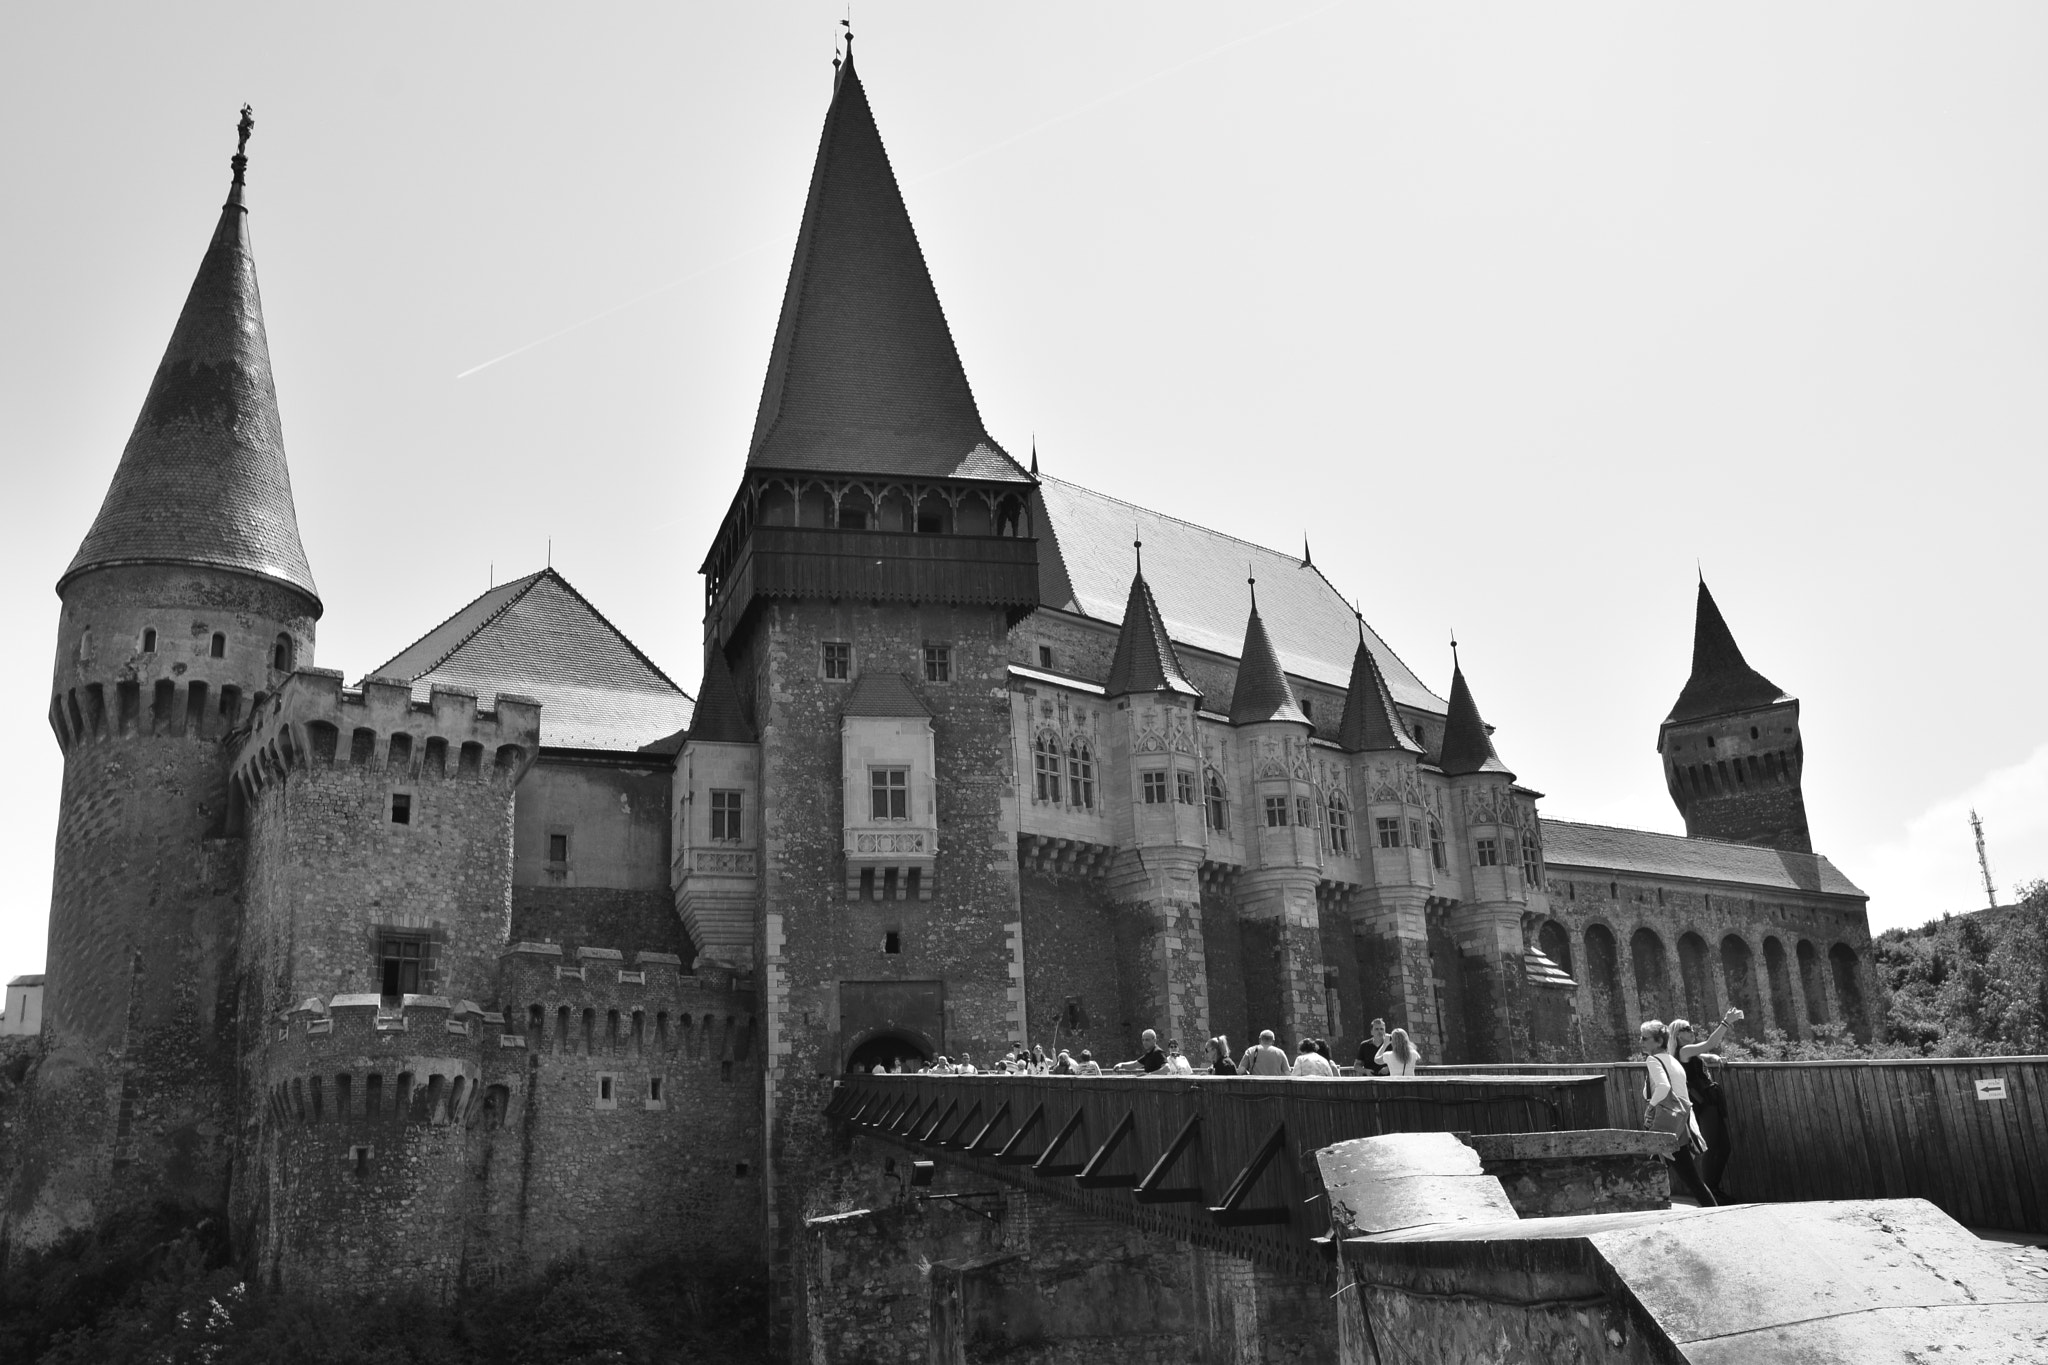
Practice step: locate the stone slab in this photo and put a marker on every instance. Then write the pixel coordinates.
(1407, 1179)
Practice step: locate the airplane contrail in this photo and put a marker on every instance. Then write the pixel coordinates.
(950, 166)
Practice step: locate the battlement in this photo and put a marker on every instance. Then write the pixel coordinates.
(362, 1058)
(314, 722)
(601, 1003)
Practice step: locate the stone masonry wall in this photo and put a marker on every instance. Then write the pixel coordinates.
(1068, 936)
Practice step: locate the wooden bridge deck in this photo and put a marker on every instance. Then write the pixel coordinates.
(1223, 1162)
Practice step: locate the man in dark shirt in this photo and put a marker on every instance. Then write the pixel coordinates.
(1150, 1058)
(1369, 1063)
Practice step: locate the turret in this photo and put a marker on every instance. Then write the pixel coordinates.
(189, 600)
(1731, 747)
(716, 859)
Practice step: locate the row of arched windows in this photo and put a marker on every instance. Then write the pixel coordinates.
(1063, 778)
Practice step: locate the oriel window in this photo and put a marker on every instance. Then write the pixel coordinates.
(1389, 832)
(725, 816)
(1488, 853)
(1219, 812)
(1155, 789)
(1184, 788)
(1436, 845)
(1276, 812)
(398, 963)
(889, 789)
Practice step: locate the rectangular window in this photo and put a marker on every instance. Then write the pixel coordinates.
(1045, 656)
(1080, 775)
(1488, 853)
(558, 848)
(938, 663)
(398, 963)
(1045, 764)
(401, 808)
(1304, 813)
(1532, 867)
(1276, 812)
(1508, 854)
(1339, 827)
(1155, 789)
(838, 661)
(725, 816)
(1436, 845)
(1218, 814)
(1184, 788)
(1415, 834)
(1308, 708)
(1389, 832)
(890, 790)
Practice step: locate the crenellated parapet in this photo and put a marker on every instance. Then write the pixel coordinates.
(313, 722)
(601, 1005)
(365, 1059)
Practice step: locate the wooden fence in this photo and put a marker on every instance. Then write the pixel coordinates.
(1225, 1162)
(1968, 1134)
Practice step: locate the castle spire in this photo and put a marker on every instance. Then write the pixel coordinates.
(1722, 680)
(1262, 692)
(1370, 720)
(863, 377)
(203, 479)
(1467, 748)
(1145, 660)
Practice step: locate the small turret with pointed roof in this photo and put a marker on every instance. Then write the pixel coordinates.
(1262, 692)
(1145, 660)
(1722, 681)
(1467, 747)
(1370, 721)
(203, 480)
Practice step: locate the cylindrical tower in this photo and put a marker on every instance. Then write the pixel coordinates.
(188, 602)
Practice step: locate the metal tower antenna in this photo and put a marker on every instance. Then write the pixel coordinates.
(1983, 862)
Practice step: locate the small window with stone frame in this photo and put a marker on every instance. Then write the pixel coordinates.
(1415, 839)
(1276, 812)
(558, 850)
(1155, 788)
(1184, 788)
(1389, 831)
(725, 816)
(1532, 866)
(889, 793)
(1045, 767)
(1486, 853)
(1436, 846)
(1219, 809)
(838, 661)
(1081, 775)
(401, 962)
(1304, 812)
(938, 663)
(1045, 656)
(1339, 826)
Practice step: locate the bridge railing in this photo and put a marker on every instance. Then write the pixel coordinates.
(1225, 1162)
(1967, 1134)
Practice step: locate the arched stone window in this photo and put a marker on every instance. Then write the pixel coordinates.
(1219, 809)
(1081, 774)
(281, 654)
(1653, 975)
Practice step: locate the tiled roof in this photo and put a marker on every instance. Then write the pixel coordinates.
(1145, 661)
(719, 719)
(1642, 852)
(1262, 692)
(538, 637)
(863, 377)
(1467, 747)
(1197, 575)
(1369, 720)
(1722, 681)
(203, 478)
(884, 694)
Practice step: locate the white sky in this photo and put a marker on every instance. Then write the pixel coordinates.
(1515, 310)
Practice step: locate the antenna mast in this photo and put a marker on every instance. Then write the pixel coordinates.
(1983, 862)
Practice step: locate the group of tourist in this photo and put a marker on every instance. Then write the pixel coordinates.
(1386, 1053)
(1682, 1098)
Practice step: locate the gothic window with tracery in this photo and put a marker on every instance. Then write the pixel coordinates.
(1045, 763)
(1081, 774)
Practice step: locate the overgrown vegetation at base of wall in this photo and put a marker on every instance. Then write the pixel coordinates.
(161, 1291)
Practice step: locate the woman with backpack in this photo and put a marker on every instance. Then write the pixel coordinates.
(1668, 1108)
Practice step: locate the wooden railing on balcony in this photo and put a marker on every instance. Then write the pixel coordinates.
(1225, 1162)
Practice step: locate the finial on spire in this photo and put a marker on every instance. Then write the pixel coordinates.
(1254, 582)
(1306, 558)
(240, 161)
(1137, 544)
(1034, 454)
(1360, 615)
(1454, 647)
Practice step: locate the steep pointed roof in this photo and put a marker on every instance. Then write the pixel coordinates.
(719, 719)
(885, 695)
(1467, 747)
(1722, 681)
(1262, 691)
(1370, 721)
(1145, 661)
(863, 377)
(538, 637)
(203, 480)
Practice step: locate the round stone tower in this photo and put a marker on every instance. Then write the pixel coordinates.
(189, 601)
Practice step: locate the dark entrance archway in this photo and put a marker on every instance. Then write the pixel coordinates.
(887, 1046)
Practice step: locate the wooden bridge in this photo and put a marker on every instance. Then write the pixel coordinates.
(1221, 1162)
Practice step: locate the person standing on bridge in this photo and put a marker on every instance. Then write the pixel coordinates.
(1313, 1063)
(1263, 1058)
(1709, 1104)
(1669, 1107)
(1400, 1056)
(1150, 1057)
(1369, 1063)
(1219, 1056)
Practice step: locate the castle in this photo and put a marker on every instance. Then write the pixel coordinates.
(513, 950)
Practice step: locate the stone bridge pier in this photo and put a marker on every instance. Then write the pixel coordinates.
(968, 1269)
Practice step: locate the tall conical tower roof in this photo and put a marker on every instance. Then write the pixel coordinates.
(1145, 659)
(1262, 691)
(203, 479)
(1370, 720)
(1467, 746)
(1722, 681)
(864, 378)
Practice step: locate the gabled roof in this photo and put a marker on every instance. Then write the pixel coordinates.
(538, 637)
(719, 719)
(203, 480)
(1722, 682)
(1194, 574)
(1603, 848)
(1262, 692)
(1145, 661)
(1370, 721)
(863, 377)
(1467, 747)
(884, 695)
